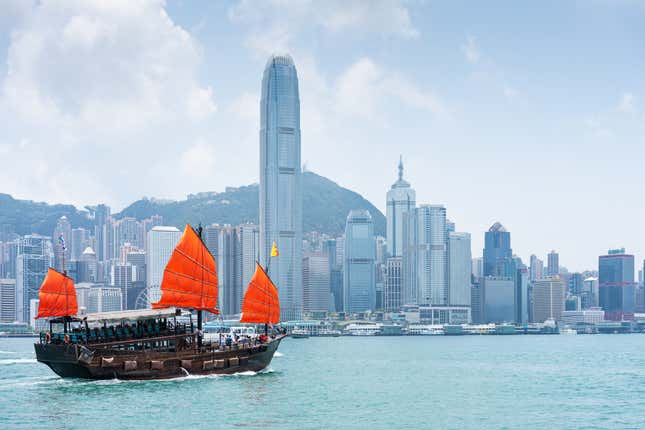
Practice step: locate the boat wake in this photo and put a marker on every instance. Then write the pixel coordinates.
(278, 354)
(17, 361)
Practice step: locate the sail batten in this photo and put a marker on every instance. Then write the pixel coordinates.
(57, 296)
(261, 301)
(190, 277)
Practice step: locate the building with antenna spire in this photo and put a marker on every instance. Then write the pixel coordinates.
(401, 198)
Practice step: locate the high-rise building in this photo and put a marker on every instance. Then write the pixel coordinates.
(122, 276)
(129, 231)
(477, 267)
(249, 248)
(575, 283)
(401, 198)
(101, 220)
(477, 302)
(432, 255)
(553, 263)
(87, 266)
(280, 181)
(62, 251)
(35, 256)
(522, 296)
(589, 296)
(228, 272)
(459, 269)
(548, 299)
(210, 236)
(161, 243)
(80, 241)
(616, 284)
(392, 284)
(9, 252)
(360, 253)
(7, 300)
(104, 299)
(315, 278)
(536, 268)
(499, 300)
(498, 255)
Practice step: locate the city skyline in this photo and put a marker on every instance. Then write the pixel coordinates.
(454, 129)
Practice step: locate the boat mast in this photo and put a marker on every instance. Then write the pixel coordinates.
(199, 312)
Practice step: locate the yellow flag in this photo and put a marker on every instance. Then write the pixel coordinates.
(274, 250)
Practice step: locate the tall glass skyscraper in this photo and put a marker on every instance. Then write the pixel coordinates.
(360, 253)
(280, 182)
(616, 284)
(498, 255)
(401, 198)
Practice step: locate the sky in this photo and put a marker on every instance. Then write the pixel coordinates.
(530, 114)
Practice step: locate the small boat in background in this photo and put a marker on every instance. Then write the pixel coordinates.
(299, 333)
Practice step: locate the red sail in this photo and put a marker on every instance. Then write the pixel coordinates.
(190, 278)
(261, 303)
(57, 296)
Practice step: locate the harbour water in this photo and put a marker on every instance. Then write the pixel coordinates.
(442, 382)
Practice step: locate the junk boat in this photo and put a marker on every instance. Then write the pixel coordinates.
(161, 342)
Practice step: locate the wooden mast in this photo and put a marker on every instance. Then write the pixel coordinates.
(199, 312)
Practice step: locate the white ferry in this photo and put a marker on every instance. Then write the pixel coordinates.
(363, 329)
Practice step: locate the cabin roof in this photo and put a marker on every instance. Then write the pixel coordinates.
(132, 315)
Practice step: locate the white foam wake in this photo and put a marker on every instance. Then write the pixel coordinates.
(278, 354)
(17, 361)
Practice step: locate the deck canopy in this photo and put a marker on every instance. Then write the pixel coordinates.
(133, 315)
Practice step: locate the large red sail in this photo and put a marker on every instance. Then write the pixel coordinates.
(57, 296)
(261, 302)
(190, 278)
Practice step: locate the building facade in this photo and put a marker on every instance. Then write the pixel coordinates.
(392, 285)
(400, 199)
(280, 181)
(459, 268)
(548, 299)
(315, 278)
(360, 253)
(616, 286)
(161, 243)
(498, 255)
(35, 256)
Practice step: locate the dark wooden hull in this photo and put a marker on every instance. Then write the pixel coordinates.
(67, 361)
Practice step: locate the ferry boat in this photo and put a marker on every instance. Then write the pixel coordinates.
(328, 332)
(299, 333)
(159, 343)
(368, 329)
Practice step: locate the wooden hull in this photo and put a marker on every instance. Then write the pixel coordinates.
(72, 361)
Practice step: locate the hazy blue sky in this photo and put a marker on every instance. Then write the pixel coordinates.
(531, 114)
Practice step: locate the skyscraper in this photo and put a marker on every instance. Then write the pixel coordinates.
(548, 299)
(101, 217)
(392, 287)
(616, 284)
(230, 288)
(315, 274)
(35, 256)
(360, 252)
(536, 268)
(7, 300)
(553, 263)
(498, 255)
(432, 255)
(62, 253)
(459, 269)
(161, 242)
(280, 182)
(249, 247)
(401, 198)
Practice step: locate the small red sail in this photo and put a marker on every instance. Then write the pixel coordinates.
(261, 302)
(57, 296)
(190, 278)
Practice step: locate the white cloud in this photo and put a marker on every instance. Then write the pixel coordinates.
(471, 50)
(198, 161)
(509, 92)
(626, 104)
(274, 24)
(102, 90)
(365, 87)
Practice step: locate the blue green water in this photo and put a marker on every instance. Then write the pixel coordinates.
(469, 382)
